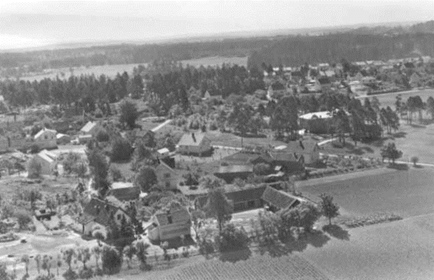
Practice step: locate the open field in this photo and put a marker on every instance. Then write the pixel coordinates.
(388, 99)
(108, 70)
(215, 60)
(406, 193)
(398, 250)
(417, 141)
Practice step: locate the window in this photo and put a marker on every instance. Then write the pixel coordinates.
(119, 216)
(166, 175)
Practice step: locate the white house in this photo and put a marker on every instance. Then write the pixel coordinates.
(170, 224)
(46, 139)
(166, 176)
(194, 143)
(90, 128)
(47, 160)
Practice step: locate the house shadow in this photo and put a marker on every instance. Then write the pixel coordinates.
(316, 239)
(235, 256)
(337, 232)
(176, 243)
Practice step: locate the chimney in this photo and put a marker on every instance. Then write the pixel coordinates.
(194, 137)
(301, 144)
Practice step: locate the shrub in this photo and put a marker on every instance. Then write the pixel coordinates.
(120, 149)
(116, 174)
(70, 275)
(34, 149)
(102, 135)
(86, 273)
(23, 218)
(34, 168)
(232, 238)
(414, 160)
(111, 260)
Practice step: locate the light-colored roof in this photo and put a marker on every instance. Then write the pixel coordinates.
(2, 98)
(88, 127)
(278, 198)
(121, 185)
(319, 115)
(47, 156)
(163, 151)
(189, 140)
(235, 169)
(60, 135)
(42, 131)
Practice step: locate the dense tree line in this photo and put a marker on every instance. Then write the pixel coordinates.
(333, 47)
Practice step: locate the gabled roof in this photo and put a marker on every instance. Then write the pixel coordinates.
(124, 191)
(164, 166)
(88, 127)
(192, 139)
(47, 156)
(99, 211)
(163, 151)
(283, 156)
(319, 115)
(173, 216)
(278, 198)
(42, 131)
(301, 146)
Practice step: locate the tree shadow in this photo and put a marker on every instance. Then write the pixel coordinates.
(235, 256)
(337, 232)
(279, 248)
(398, 166)
(417, 125)
(400, 134)
(417, 166)
(177, 242)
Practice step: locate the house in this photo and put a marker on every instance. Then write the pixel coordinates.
(124, 191)
(83, 139)
(170, 224)
(98, 213)
(316, 122)
(194, 144)
(46, 139)
(63, 138)
(415, 80)
(289, 161)
(166, 175)
(90, 128)
(47, 160)
(207, 96)
(308, 149)
(277, 200)
(230, 172)
(163, 153)
(325, 83)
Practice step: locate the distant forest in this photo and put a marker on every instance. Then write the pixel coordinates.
(334, 47)
(366, 43)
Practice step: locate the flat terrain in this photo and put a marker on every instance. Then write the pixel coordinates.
(215, 60)
(417, 141)
(108, 70)
(406, 193)
(388, 99)
(398, 250)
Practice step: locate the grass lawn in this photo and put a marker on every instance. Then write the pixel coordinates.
(388, 99)
(231, 140)
(406, 193)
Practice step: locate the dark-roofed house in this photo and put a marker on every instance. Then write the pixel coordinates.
(195, 143)
(291, 162)
(230, 172)
(246, 198)
(309, 150)
(97, 214)
(166, 225)
(324, 83)
(277, 200)
(124, 191)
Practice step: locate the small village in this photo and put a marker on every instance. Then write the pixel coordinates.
(146, 189)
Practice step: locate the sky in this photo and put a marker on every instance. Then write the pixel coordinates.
(36, 23)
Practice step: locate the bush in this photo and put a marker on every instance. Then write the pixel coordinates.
(86, 273)
(102, 135)
(121, 149)
(70, 275)
(232, 238)
(111, 260)
(116, 174)
(34, 168)
(23, 218)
